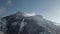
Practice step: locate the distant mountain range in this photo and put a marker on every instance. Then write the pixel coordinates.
(19, 23)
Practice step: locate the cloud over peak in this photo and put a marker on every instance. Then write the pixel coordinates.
(31, 14)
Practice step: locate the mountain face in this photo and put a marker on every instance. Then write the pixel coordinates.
(20, 24)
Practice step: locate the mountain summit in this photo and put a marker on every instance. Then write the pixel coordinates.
(19, 23)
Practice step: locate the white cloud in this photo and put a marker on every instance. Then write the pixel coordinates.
(2, 9)
(9, 2)
(32, 14)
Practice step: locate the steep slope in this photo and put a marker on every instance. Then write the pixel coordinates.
(20, 24)
(43, 22)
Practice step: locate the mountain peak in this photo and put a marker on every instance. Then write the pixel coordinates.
(19, 12)
(18, 21)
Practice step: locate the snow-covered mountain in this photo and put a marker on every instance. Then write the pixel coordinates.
(21, 23)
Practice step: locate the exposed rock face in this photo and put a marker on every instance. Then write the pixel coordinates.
(20, 24)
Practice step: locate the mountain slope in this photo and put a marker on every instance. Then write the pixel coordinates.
(20, 24)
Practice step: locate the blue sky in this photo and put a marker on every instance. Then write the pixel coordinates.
(49, 9)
